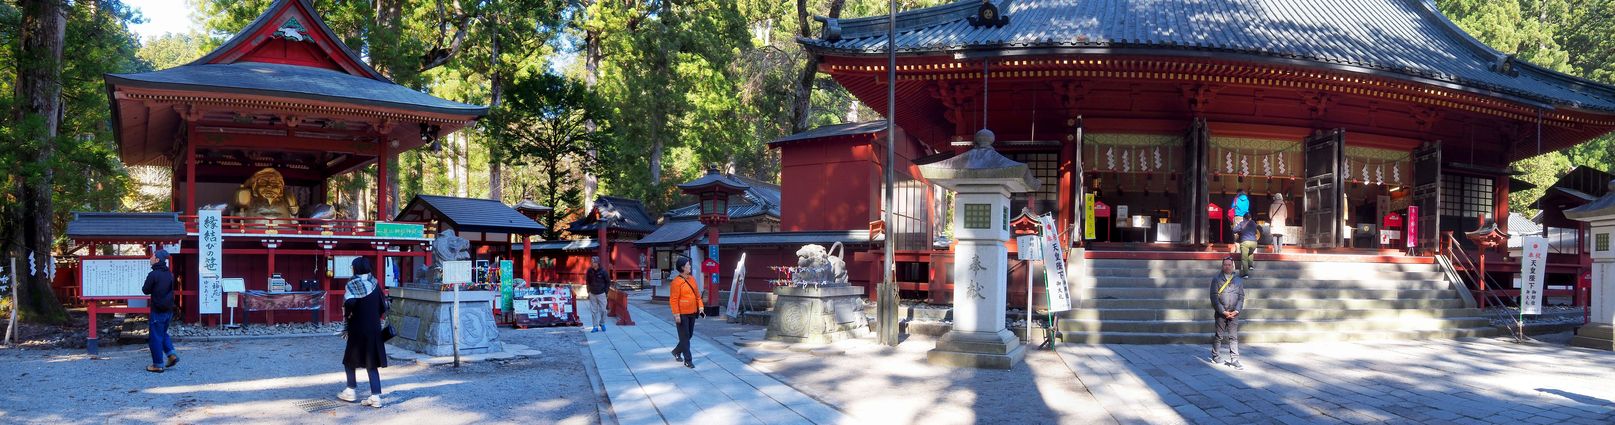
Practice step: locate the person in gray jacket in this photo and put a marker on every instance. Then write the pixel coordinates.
(1227, 301)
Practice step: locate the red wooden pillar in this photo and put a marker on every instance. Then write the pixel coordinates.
(190, 168)
(381, 181)
(712, 282)
(527, 258)
(602, 250)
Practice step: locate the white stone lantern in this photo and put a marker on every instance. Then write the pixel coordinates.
(1600, 217)
(982, 181)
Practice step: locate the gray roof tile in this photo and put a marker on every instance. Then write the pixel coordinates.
(293, 81)
(125, 226)
(1404, 38)
(474, 215)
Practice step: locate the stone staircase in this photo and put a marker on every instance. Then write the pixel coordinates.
(1168, 302)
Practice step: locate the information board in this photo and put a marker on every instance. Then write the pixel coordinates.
(400, 230)
(233, 284)
(457, 271)
(342, 266)
(115, 278)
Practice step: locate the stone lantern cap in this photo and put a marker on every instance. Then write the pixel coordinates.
(1603, 207)
(714, 181)
(981, 165)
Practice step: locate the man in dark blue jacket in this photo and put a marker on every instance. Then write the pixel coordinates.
(160, 286)
(598, 285)
(1227, 301)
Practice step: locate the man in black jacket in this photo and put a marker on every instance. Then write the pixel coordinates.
(1227, 301)
(160, 286)
(599, 283)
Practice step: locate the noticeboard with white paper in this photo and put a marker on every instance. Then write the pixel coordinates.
(115, 278)
(457, 272)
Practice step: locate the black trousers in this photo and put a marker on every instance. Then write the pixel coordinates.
(686, 327)
(1227, 330)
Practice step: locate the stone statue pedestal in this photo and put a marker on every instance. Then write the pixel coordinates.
(424, 321)
(818, 315)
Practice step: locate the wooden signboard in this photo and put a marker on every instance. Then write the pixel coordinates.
(115, 277)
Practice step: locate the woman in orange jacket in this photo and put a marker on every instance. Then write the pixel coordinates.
(686, 304)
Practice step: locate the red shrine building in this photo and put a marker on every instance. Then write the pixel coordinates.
(255, 130)
(1375, 122)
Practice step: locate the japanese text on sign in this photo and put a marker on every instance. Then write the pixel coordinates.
(210, 264)
(1532, 270)
(1054, 266)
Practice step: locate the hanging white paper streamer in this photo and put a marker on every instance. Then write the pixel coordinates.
(1143, 162)
(1110, 159)
(1228, 163)
(1379, 175)
(1364, 175)
(1346, 170)
(1244, 165)
(1396, 172)
(1127, 163)
(1267, 165)
(1282, 169)
(1158, 158)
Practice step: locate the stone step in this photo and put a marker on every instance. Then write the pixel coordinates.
(1271, 303)
(1275, 293)
(1263, 337)
(1262, 282)
(1286, 314)
(1214, 265)
(1270, 325)
(1264, 271)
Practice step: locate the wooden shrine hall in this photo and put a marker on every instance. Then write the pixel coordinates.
(255, 130)
(1352, 111)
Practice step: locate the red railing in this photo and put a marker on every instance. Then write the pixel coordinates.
(298, 226)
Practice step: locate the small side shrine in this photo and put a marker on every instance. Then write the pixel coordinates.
(253, 132)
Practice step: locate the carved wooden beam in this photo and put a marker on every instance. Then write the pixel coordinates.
(1199, 96)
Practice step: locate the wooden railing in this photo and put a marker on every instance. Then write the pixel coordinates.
(299, 226)
(1456, 260)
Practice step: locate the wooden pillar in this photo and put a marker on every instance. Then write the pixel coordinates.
(381, 181)
(527, 258)
(601, 249)
(1500, 202)
(190, 168)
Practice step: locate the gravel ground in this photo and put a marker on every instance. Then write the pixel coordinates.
(898, 386)
(264, 380)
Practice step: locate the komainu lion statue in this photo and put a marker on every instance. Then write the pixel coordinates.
(817, 267)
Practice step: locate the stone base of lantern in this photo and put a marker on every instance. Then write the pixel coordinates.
(1599, 336)
(981, 350)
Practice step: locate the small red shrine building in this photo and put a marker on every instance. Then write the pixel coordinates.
(257, 127)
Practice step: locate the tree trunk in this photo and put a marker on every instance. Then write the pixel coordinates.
(462, 159)
(496, 183)
(38, 93)
(802, 102)
(591, 63)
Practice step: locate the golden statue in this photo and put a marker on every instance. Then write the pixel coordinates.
(264, 195)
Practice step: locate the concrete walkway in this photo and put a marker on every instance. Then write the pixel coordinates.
(1481, 380)
(646, 386)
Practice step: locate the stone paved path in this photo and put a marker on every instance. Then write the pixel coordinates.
(646, 386)
(1431, 382)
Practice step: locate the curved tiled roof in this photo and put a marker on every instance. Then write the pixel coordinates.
(293, 81)
(1407, 39)
(472, 214)
(628, 215)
